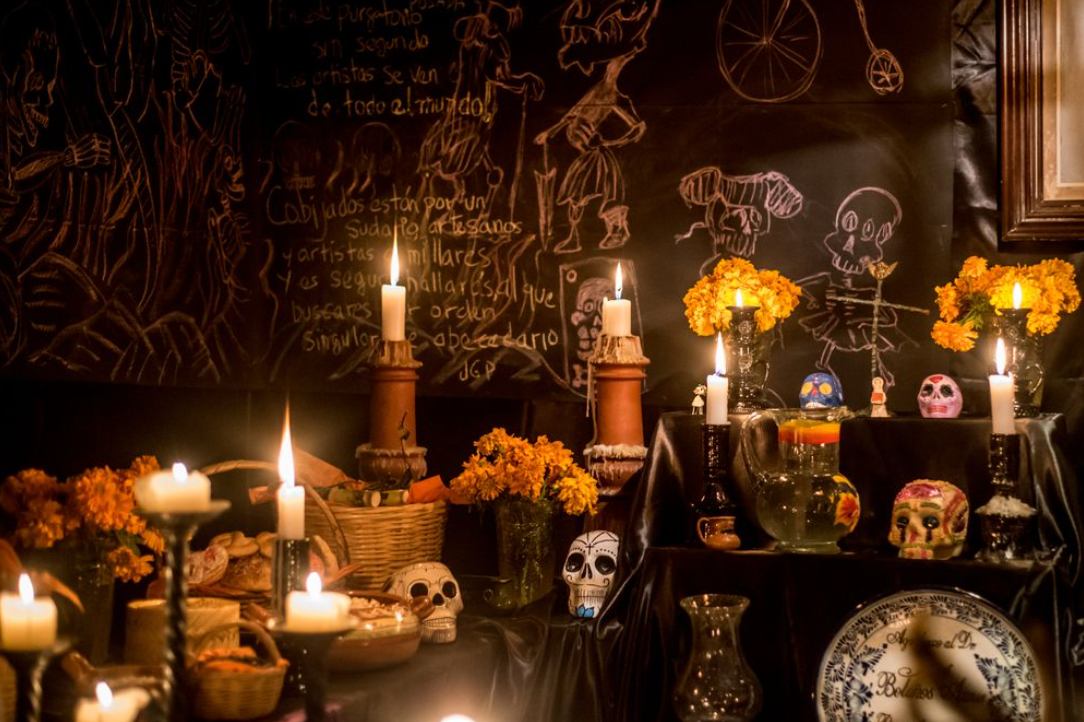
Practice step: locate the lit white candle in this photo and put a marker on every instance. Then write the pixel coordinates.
(393, 300)
(174, 490)
(291, 498)
(26, 623)
(1017, 295)
(1001, 394)
(617, 314)
(738, 300)
(124, 706)
(718, 387)
(316, 611)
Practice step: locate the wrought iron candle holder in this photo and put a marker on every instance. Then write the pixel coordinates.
(29, 666)
(1004, 463)
(1023, 359)
(747, 360)
(308, 651)
(715, 511)
(289, 569)
(176, 529)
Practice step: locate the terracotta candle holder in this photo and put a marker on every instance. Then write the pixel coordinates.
(617, 377)
(393, 378)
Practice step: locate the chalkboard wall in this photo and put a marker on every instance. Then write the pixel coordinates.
(207, 192)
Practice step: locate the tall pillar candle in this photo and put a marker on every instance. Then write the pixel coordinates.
(617, 314)
(718, 387)
(290, 498)
(1001, 395)
(393, 301)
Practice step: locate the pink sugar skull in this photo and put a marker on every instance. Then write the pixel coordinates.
(939, 397)
(929, 520)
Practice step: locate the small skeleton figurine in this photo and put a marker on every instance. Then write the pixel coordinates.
(698, 399)
(878, 399)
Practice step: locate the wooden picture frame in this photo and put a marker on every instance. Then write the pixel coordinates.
(1042, 125)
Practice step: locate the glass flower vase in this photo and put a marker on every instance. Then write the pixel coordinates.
(717, 683)
(747, 352)
(525, 556)
(1024, 360)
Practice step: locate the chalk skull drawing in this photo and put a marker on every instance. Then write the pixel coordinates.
(738, 209)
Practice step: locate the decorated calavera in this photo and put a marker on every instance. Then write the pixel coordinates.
(589, 572)
(939, 397)
(821, 391)
(864, 221)
(433, 580)
(929, 520)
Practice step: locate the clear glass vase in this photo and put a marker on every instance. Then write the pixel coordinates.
(1024, 360)
(746, 360)
(717, 684)
(525, 556)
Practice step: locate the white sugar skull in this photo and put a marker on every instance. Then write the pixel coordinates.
(589, 572)
(865, 220)
(433, 580)
(939, 397)
(929, 520)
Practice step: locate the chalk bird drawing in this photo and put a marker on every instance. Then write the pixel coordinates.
(607, 33)
(738, 209)
(841, 314)
(769, 51)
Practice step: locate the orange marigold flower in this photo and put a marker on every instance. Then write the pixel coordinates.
(41, 524)
(101, 500)
(954, 336)
(127, 566)
(847, 511)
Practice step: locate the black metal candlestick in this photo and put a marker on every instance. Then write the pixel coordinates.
(747, 360)
(1004, 463)
(308, 650)
(289, 570)
(715, 503)
(176, 529)
(29, 666)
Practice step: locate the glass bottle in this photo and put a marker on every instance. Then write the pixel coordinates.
(717, 684)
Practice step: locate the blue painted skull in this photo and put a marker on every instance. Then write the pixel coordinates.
(821, 391)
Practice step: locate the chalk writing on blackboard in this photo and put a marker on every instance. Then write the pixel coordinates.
(604, 119)
(738, 209)
(865, 221)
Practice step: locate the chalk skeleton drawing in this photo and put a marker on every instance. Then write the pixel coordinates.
(840, 313)
(120, 271)
(456, 148)
(584, 286)
(738, 209)
(609, 33)
(769, 51)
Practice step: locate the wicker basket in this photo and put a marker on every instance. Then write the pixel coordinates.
(382, 540)
(219, 694)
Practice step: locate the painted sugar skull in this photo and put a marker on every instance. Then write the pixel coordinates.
(939, 397)
(433, 580)
(589, 572)
(821, 391)
(929, 520)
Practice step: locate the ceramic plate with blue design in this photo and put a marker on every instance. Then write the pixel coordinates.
(929, 654)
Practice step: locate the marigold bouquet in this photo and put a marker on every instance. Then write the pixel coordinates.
(980, 291)
(504, 465)
(96, 507)
(707, 302)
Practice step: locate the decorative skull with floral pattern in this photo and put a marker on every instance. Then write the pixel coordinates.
(821, 391)
(939, 397)
(589, 572)
(433, 580)
(929, 520)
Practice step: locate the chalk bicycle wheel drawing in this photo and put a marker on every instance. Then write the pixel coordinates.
(883, 70)
(768, 50)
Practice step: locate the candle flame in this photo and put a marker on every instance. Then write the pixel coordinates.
(395, 259)
(617, 282)
(1017, 295)
(104, 695)
(720, 356)
(26, 589)
(738, 298)
(286, 453)
(999, 357)
(180, 473)
(314, 585)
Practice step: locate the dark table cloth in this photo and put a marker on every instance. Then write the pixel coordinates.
(798, 602)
